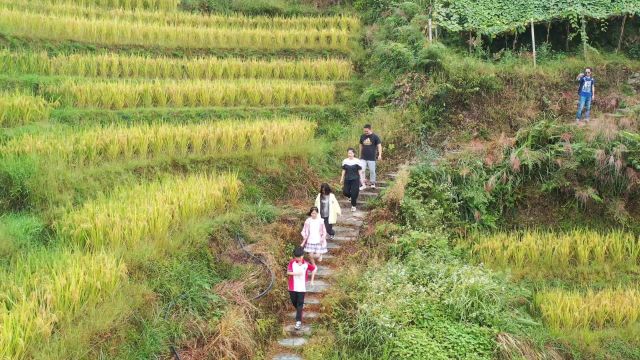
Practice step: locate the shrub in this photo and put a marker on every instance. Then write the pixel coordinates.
(393, 58)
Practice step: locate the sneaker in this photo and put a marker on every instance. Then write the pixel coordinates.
(298, 325)
(320, 258)
(353, 208)
(331, 237)
(363, 187)
(373, 186)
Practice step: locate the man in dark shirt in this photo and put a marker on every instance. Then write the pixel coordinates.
(370, 151)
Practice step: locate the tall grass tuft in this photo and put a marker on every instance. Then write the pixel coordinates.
(205, 68)
(45, 291)
(18, 109)
(591, 310)
(116, 32)
(146, 213)
(222, 138)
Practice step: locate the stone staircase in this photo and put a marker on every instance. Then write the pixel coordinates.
(347, 229)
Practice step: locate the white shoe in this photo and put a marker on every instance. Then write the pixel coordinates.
(298, 325)
(363, 187)
(373, 186)
(353, 208)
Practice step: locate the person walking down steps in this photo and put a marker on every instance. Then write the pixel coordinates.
(314, 236)
(329, 208)
(370, 152)
(351, 168)
(298, 271)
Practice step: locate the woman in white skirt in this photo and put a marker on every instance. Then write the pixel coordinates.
(314, 236)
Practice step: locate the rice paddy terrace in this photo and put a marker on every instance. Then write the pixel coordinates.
(100, 206)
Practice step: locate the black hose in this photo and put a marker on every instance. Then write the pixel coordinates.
(264, 292)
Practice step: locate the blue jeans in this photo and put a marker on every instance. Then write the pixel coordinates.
(372, 169)
(585, 102)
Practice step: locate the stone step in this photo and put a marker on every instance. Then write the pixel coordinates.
(293, 342)
(311, 300)
(344, 238)
(346, 231)
(369, 194)
(324, 271)
(305, 315)
(349, 222)
(305, 330)
(286, 357)
(332, 245)
(328, 257)
(319, 286)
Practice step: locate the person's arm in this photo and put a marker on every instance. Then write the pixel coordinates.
(360, 148)
(593, 91)
(305, 232)
(580, 76)
(336, 204)
(379, 151)
(294, 273)
(342, 176)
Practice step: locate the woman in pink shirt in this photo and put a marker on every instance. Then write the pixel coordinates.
(314, 236)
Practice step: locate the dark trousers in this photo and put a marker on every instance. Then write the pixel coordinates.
(297, 299)
(351, 190)
(328, 226)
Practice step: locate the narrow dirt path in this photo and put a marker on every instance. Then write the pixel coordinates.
(289, 345)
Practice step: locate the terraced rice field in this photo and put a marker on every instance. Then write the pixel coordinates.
(50, 289)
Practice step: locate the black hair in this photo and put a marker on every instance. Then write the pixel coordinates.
(588, 68)
(367, 126)
(313, 208)
(298, 251)
(351, 149)
(325, 189)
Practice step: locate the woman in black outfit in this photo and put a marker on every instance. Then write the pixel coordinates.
(351, 169)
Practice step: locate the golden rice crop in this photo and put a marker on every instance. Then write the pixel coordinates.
(43, 292)
(165, 5)
(118, 32)
(558, 250)
(19, 109)
(197, 93)
(591, 310)
(223, 138)
(146, 213)
(204, 68)
(237, 21)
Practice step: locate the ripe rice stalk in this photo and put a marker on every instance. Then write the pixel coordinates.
(197, 93)
(551, 250)
(45, 291)
(563, 309)
(177, 18)
(222, 138)
(96, 5)
(18, 109)
(147, 212)
(120, 33)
